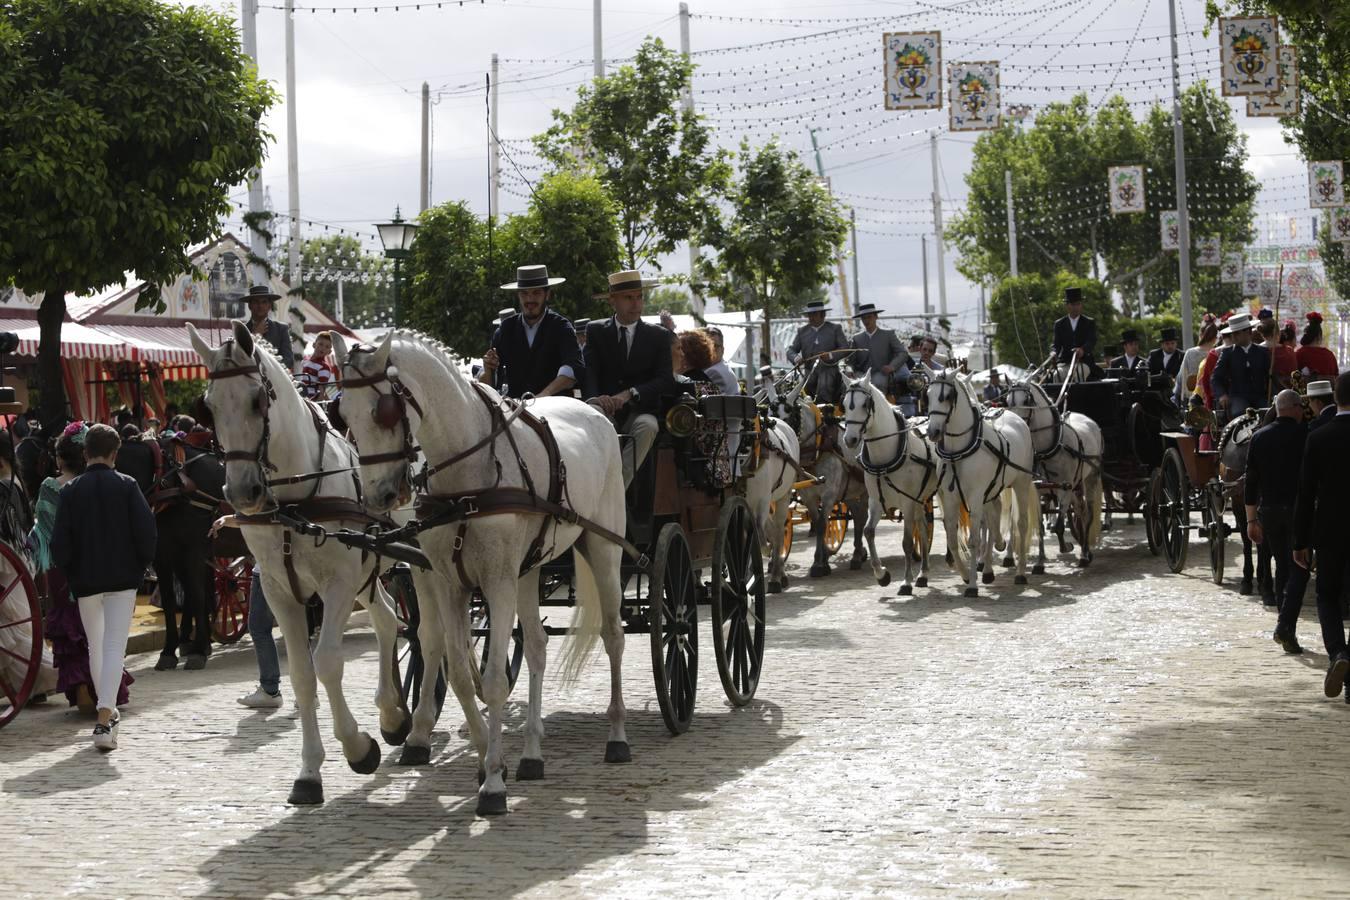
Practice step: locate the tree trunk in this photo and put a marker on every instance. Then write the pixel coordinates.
(51, 314)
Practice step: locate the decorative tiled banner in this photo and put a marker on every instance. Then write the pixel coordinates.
(1251, 282)
(913, 69)
(1270, 291)
(1325, 184)
(1339, 222)
(1286, 102)
(1231, 270)
(1207, 251)
(974, 96)
(1127, 189)
(1247, 53)
(1171, 229)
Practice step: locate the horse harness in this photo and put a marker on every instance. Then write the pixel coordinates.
(1080, 458)
(883, 472)
(977, 441)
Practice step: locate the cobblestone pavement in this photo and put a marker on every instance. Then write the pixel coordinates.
(1102, 732)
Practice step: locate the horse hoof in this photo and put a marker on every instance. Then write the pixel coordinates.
(987, 578)
(1019, 579)
(1008, 562)
(368, 763)
(396, 737)
(855, 563)
(979, 566)
(414, 755)
(785, 581)
(305, 793)
(1068, 548)
(1084, 562)
(972, 592)
(906, 590)
(530, 770)
(618, 752)
(1245, 589)
(885, 579)
(1038, 569)
(820, 571)
(775, 587)
(491, 804)
(921, 581)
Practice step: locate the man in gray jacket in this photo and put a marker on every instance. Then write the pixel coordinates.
(879, 351)
(813, 339)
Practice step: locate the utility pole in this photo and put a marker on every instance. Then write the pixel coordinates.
(248, 14)
(1179, 144)
(927, 305)
(838, 260)
(598, 39)
(425, 195)
(338, 309)
(853, 229)
(1012, 222)
(937, 228)
(494, 147)
(687, 103)
(294, 277)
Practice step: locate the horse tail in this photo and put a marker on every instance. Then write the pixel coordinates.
(1029, 508)
(586, 620)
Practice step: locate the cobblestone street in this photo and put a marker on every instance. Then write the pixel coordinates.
(1103, 732)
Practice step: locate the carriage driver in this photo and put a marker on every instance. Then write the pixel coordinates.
(1076, 334)
(628, 368)
(879, 351)
(814, 338)
(538, 348)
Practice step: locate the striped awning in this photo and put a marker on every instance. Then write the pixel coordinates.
(77, 341)
(163, 344)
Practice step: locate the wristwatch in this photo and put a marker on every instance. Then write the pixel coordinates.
(633, 395)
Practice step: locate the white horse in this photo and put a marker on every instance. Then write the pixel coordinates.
(984, 453)
(1068, 448)
(902, 473)
(486, 465)
(275, 442)
(769, 493)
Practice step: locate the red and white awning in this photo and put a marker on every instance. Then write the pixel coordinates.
(77, 341)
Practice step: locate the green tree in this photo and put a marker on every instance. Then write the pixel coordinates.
(123, 125)
(1059, 171)
(1025, 309)
(450, 288)
(367, 289)
(778, 245)
(654, 159)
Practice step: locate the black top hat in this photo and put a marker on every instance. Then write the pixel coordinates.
(813, 306)
(262, 292)
(1073, 295)
(580, 325)
(1168, 334)
(1129, 336)
(1265, 314)
(532, 277)
(866, 309)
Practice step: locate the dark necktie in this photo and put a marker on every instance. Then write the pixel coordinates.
(623, 340)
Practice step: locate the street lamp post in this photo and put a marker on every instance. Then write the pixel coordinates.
(397, 238)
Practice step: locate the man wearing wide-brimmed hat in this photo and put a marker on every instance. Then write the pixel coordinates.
(1322, 401)
(817, 340)
(879, 351)
(1166, 358)
(628, 368)
(261, 301)
(1241, 376)
(535, 352)
(1130, 359)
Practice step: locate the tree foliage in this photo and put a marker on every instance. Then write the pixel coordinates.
(367, 292)
(124, 124)
(1059, 175)
(654, 159)
(1025, 309)
(777, 245)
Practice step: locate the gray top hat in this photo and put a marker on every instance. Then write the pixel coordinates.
(532, 277)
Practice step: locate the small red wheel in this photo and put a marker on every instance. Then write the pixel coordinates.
(20, 633)
(234, 578)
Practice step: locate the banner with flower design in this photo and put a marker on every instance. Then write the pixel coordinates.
(1171, 229)
(913, 69)
(1126, 184)
(1326, 184)
(1251, 282)
(974, 96)
(1248, 55)
(1338, 220)
(1230, 272)
(1286, 102)
(1207, 251)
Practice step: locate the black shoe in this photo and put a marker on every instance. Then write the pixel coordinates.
(168, 661)
(1336, 675)
(1288, 642)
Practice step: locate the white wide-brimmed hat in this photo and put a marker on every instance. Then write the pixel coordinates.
(1238, 322)
(1320, 389)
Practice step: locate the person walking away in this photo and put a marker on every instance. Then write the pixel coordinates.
(1312, 357)
(1320, 528)
(1241, 376)
(628, 368)
(317, 372)
(262, 300)
(1283, 357)
(814, 338)
(1271, 488)
(535, 352)
(103, 539)
(1322, 401)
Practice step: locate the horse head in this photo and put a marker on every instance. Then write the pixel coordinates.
(944, 395)
(859, 403)
(379, 420)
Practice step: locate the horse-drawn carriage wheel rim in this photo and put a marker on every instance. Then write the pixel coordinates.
(737, 640)
(1216, 536)
(673, 634)
(233, 583)
(1152, 513)
(23, 580)
(836, 527)
(1176, 492)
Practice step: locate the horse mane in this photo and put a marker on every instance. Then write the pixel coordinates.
(1230, 431)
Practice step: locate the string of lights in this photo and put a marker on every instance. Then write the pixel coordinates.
(387, 7)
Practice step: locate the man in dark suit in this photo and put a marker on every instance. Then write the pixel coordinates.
(1075, 333)
(1322, 401)
(261, 301)
(1166, 359)
(1320, 526)
(628, 368)
(818, 337)
(1271, 489)
(535, 352)
(1130, 360)
(1241, 376)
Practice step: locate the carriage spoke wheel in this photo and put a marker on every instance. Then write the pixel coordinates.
(737, 599)
(480, 624)
(788, 525)
(1214, 530)
(673, 619)
(1153, 524)
(20, 633)
(836, 527)
(409, 667)
(233, 578)
(1174, 510)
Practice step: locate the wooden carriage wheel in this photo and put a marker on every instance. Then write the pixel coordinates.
(1174, 509)
(1153, 523)
(408, 663)
(736, 595)
(480, 619)
(836, 527)
(788, 524)
(20, 634)
(672, 616)
(1215, 531)
(233, 578)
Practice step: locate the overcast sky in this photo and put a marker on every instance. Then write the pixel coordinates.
(359, 77)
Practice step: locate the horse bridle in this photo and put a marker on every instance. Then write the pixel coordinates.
(901, 452)
(1057, 418)
(976, 430)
